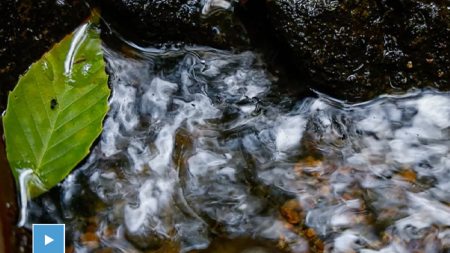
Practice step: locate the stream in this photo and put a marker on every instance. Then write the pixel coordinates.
(201, 153)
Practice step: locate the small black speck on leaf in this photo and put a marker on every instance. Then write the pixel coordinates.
(53, 104)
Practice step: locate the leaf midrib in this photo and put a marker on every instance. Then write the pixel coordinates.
(52, 121)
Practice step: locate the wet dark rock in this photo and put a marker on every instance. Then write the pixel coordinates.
(356, 50)
(28, 30)
(274, 51)
(157, 21)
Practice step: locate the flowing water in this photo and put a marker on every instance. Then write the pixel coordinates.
(201, 153)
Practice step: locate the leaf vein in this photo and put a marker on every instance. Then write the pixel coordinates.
(32, 151)
(68, 137)
(87, 108)
(80, 96)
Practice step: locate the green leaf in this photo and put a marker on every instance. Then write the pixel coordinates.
(55, 113)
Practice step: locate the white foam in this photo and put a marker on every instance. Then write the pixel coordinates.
(289, 132)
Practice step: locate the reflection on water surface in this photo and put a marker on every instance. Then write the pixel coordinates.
(199, 151)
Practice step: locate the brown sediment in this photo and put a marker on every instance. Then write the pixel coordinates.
(292, 212)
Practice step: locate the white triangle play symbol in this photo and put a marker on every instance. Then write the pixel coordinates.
(47, 240)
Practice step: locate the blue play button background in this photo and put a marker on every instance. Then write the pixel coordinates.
(52, 234)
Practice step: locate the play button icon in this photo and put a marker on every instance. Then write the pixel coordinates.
(48, 238)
